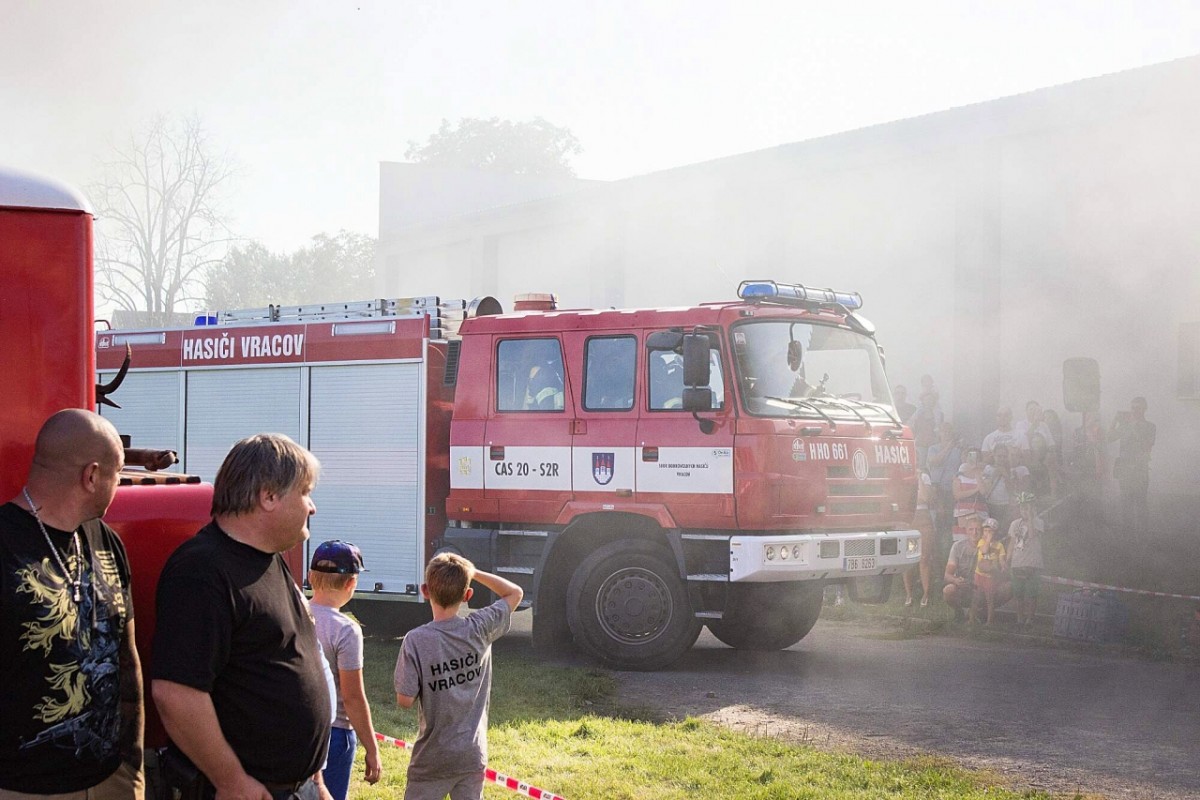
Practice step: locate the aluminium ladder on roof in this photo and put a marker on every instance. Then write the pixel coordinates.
(445, 315)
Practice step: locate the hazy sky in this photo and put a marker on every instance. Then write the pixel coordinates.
(310, 96)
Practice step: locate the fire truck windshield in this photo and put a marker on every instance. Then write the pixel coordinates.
(793, 368)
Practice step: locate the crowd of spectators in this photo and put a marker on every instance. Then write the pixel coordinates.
(984, 502)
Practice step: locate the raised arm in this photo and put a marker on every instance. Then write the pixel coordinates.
(503, 588)
(961, 491)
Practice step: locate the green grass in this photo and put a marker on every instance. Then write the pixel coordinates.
(559, 728)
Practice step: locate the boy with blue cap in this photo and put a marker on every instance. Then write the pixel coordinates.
(333, 575)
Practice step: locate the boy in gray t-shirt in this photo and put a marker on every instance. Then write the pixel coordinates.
(445, 667)
(333, 575)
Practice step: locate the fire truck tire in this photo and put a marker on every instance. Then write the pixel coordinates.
(628, 607)
(769, 616)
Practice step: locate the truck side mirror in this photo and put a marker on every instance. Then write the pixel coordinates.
(697, 398)
(795, 355)
(695, 360)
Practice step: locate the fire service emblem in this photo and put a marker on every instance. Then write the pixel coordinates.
(464, 465)
(859, 465)
(603, 466)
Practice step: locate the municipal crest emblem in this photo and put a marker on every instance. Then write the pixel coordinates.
(464, 465)
(603, 466)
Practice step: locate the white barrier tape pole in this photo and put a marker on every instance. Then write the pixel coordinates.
(520, 787)
(1086, 585)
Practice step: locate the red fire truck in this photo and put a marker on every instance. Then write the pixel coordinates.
(641, 472)
(47, 359)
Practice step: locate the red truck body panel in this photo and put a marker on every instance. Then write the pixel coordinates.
(47, 353)
(152, 521)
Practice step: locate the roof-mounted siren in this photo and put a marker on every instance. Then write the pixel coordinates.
(535, 301)
(795, 294)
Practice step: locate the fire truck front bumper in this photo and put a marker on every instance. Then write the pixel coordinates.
(811, 556)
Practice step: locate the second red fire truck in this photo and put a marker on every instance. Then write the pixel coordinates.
(642, 473)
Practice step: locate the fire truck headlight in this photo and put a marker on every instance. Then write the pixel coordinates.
(912, 545)
(784, 553)
(770, 553)
(796, 552)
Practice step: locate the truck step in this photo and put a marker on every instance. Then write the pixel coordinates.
(712, 576)
(709, 615)
(515, 570)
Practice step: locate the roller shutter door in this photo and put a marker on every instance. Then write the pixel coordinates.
(150, 410)
(226, 405)
(367, 427)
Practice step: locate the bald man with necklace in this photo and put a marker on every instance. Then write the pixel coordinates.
(71, 703)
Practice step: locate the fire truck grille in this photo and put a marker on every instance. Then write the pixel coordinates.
(857, 490)
(860, 547)
(854, 508)
(842, 472)
(453, 350)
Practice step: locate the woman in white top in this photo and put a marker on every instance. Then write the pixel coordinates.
(967, 487)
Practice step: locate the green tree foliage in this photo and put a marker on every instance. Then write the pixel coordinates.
(330, 269)
(517, 148)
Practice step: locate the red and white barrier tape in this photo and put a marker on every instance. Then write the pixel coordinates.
(518, 786)
(1086, 585)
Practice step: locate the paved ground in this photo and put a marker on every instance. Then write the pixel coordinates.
(1041, 717)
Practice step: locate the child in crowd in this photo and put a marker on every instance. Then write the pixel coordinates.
(445, 667)
(988, 566)
(1025, 557)
(333, 575)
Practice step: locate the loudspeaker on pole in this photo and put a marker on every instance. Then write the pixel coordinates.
(1081, 384)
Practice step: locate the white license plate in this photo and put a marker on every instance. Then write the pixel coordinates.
(857, 563)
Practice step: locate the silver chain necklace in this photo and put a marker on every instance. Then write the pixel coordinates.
(77, 583)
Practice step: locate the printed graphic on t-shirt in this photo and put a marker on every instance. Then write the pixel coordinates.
(454, 672)
(83, 658)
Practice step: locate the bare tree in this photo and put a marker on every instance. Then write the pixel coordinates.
(160, 225)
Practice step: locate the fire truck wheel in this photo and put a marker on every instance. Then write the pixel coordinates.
(628, 607)
(769, 616)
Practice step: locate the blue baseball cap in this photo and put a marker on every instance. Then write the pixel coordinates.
(337, 557)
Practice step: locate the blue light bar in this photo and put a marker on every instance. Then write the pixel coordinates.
(797, 294)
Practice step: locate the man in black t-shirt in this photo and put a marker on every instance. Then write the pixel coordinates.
(71, 705)
(238, 674)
